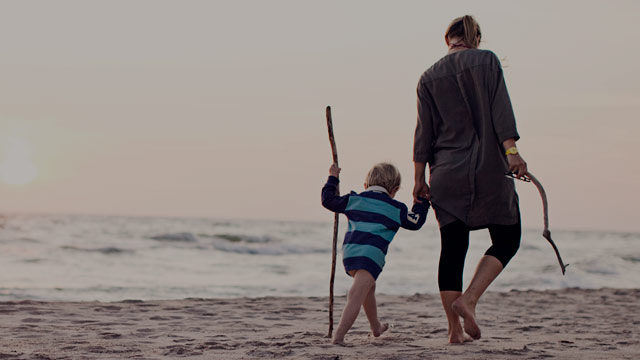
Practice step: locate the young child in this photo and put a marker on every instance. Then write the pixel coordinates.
(374, 218)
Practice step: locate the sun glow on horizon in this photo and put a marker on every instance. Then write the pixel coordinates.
(16, 167)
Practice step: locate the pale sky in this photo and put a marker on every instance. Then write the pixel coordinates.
(216, 108)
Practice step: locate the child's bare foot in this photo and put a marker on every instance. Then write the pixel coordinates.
(467, 312)
(336, 341)
(379, 330)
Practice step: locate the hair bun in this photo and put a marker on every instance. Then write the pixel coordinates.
(466, 28)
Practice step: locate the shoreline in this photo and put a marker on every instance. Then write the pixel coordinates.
(570, 323)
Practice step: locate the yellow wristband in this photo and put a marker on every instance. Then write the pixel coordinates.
(511, 151)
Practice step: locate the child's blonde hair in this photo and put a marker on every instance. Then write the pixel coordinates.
(385, 175)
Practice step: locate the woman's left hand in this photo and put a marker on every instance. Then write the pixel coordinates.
(517, 165)
(421, 190)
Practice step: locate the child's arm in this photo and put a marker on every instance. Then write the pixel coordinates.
(330, 200)
(415, 219)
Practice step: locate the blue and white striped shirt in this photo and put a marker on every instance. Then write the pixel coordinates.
(374, 218)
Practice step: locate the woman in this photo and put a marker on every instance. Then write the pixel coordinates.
(466, 132)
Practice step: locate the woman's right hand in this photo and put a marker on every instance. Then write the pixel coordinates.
(515, 161)
(421, 189)
(517, 165)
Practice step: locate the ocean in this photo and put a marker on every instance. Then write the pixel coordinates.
(111, 258)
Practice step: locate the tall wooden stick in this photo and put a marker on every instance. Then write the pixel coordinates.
(335, 224)
(546, 233)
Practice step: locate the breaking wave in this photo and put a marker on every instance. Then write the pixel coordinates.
(177, 237)
(239, 243)
(105, 250)
(263, 249)
(236, 238)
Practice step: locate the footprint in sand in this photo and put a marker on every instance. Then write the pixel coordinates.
(145, 330)
(269, 354)
(529, 328)
(31, 320)
(437, 331)
(181, 350)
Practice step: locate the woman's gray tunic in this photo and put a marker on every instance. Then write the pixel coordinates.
(464, 115)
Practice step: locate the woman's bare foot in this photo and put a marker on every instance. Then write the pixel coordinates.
(456, 334)
(467, 312)
(338, 342)
(379, 331)
(458, 337)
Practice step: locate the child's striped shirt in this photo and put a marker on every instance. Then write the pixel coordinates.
(374, 218)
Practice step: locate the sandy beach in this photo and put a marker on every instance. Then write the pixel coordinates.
(562, 324)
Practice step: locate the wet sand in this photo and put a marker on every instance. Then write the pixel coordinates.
(562, 324)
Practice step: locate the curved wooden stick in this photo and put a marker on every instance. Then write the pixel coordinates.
(545, 208)
(335, 224)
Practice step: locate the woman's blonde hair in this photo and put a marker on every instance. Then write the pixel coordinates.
(466, 28)
(385, 175)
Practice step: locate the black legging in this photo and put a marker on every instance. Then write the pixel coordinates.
(455, 243)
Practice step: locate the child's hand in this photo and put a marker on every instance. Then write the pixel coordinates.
(334, 170)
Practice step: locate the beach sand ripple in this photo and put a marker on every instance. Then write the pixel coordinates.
(563, 324)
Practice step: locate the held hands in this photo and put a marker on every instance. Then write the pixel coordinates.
(421, 190)
(334, 170)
